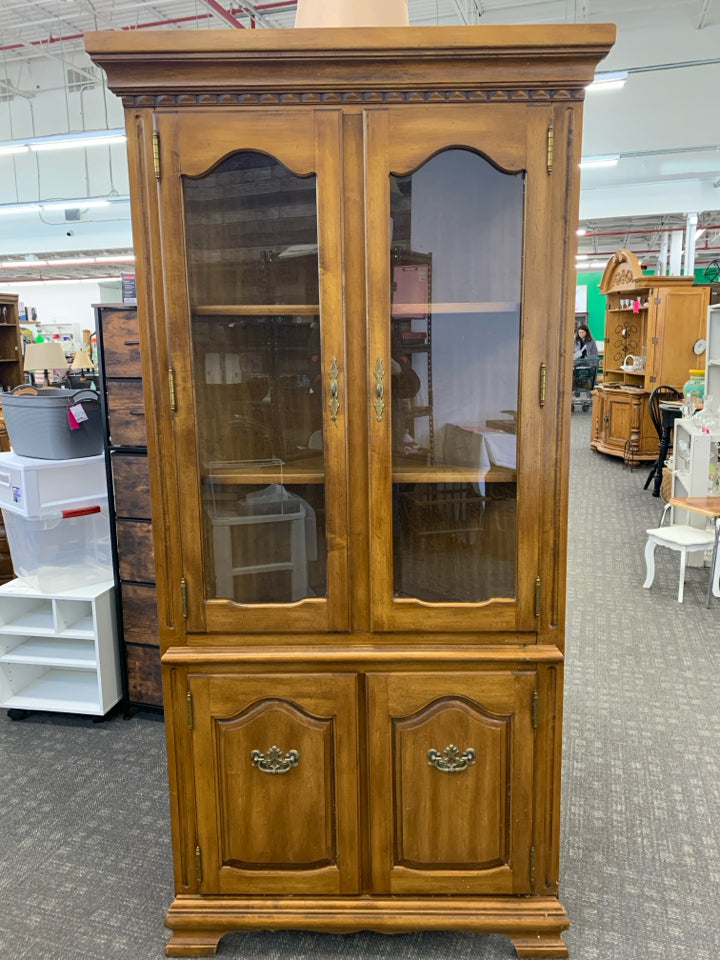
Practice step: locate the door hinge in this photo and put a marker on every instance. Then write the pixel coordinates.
(171, 382)
(655, 340)
(198, 865)
(532, 869)
(550, 148)
(538, 595)
(653, 379)
(156, 154)
(183, 597)
(543, 382)
(189, 703)
(657, 300)
(534, 708)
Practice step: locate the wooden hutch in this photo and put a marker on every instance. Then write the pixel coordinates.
(359, 476)
(658, 319)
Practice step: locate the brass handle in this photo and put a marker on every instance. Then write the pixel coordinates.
(275, 762)
(451, 760)
(131, 343)
(379, 401)
(334, 403)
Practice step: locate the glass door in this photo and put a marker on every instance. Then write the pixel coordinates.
(258, 369)
(455, 361)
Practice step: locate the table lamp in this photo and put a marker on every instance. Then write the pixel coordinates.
(82, 361)
(45, 356)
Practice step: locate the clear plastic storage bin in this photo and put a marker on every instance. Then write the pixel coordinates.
(61, 550)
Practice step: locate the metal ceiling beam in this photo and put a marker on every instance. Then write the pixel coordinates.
(224, 14)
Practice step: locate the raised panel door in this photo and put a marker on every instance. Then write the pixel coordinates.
(258, 357)
(275, 762)
(451, 768)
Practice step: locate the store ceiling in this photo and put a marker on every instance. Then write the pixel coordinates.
(54, 29)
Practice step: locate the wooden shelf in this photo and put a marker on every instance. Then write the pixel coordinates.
(311, 470)
(255, 309)
(415, 471)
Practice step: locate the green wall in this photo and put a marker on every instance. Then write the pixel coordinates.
(596, 300)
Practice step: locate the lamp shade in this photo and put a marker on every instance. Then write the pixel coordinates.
(45, 356)
(81, 361)
(350, 13)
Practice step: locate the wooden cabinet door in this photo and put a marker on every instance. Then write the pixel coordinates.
(457, 431)
(275, 761)
(251, 210)
(451, 782)
(679, 320)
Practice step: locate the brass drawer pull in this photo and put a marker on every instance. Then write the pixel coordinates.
(451, 760)
(275, 762)
(131, 343)
(137, 413)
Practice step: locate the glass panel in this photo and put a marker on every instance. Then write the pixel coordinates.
(251, 233)
(456, 251)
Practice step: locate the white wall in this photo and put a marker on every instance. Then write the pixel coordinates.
(66, 301)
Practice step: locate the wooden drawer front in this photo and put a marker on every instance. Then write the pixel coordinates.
(136, 559)
(131, 485)
(126, 413)
(144, 675)
(139, 614)
(263, 830)
(121, 343)
(451, 768)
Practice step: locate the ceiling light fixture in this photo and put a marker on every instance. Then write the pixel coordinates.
(609, 80)
(77, 203)
(63, 141)
(607, 160)
(66, 262)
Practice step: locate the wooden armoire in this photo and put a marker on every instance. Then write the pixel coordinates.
(355, 269)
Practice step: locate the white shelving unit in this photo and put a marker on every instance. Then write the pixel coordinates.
(59, 652)
(696, 456)
(712, 354)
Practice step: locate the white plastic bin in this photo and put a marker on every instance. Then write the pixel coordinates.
(61, 549)
(32, 487)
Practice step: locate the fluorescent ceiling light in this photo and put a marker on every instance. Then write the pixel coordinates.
(64, 141)
(608, 160)
(581, 232)
(66, 262)
(609, 80)
(78, 203)
(591, 265)
(73, 204)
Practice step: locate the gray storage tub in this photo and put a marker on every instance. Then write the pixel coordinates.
(38, 425)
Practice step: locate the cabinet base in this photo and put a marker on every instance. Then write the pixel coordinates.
(534, 924)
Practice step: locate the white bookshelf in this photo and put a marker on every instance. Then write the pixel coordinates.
(712, 354)
(59, 652)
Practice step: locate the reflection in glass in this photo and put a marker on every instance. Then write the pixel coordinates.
(456, 256)
(251, 233)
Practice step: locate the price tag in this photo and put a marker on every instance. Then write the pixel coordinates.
(76, 415)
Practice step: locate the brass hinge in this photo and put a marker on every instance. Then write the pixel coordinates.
(653, 379)
(183, 596)
(156, 154)
(534, 707)
(655, 340)
(189, 703)
(532, 869)
(543, 382)
(657, 300)
(198, 865)
(550, 148)
(538, 595)
(171, 381)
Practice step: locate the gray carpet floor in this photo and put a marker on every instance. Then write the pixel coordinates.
(85, 858)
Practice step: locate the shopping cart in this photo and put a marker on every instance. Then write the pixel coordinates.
(584, 375)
